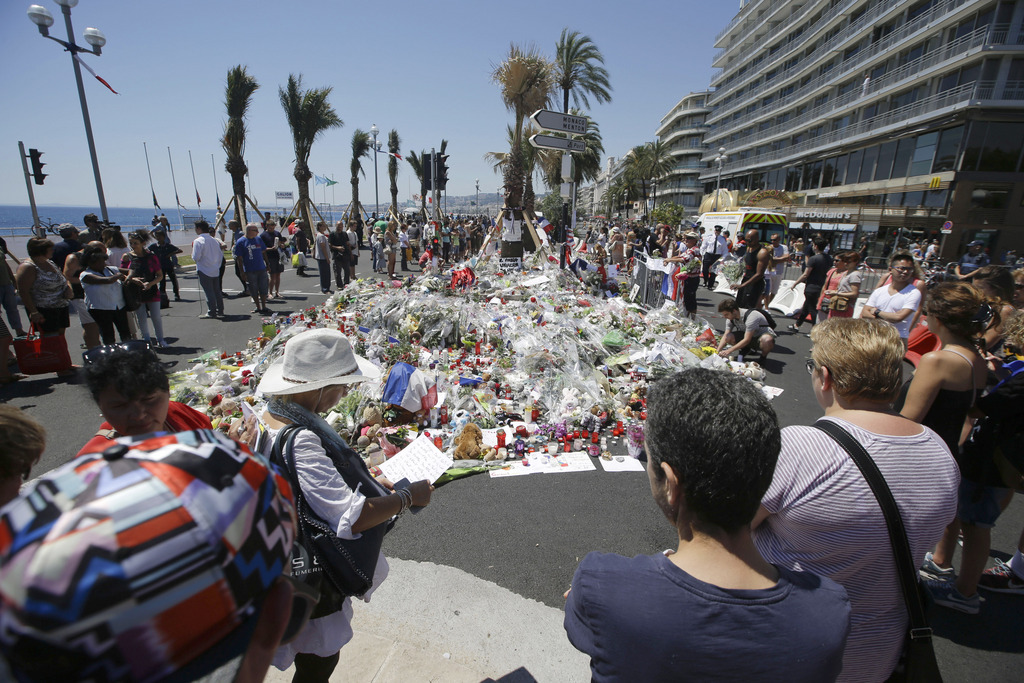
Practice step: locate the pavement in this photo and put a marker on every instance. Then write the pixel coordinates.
(477, 577)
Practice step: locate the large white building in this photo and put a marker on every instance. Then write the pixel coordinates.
(896, 114)
(683, 129)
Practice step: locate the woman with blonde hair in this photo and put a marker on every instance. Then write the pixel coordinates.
(820, 515)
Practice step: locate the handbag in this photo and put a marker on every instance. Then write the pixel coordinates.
(838, 303)
(337, 567)
(132, 295)
(39, 355)
(917, 663)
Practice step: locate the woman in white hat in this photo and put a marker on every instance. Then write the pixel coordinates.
(316, 371)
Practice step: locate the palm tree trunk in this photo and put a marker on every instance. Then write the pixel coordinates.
(238, 188)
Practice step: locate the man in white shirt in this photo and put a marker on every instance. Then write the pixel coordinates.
(208, 255)
(403, 242)
(713, 246)
(896, 302)
(322, 254)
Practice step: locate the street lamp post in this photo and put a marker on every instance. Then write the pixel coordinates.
(376, 148)
(478, 196)
(42, 18)
(720, 160)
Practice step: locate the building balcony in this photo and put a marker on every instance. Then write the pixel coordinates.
(697, 129)
(671, 119)
(921, 23)
(976, 94)
(761, 42)
(916, 70)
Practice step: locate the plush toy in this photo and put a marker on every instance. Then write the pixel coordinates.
(469, 443)
(372, 416)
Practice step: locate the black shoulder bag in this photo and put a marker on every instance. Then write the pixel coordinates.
(318, 554)
(917, 663)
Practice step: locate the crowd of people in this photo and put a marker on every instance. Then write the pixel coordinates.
(784, 566)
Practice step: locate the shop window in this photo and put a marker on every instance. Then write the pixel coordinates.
(867, 168)
(989, 203)
(812, 176)
(853, 168)
(1002, 147)
(886, 153)
(828, 172)
(913, 198)
(894, 199)
(935, 199)
(792, 179)
(924, 152)
(904, 151)
(840, 176)
(974, 145)
(949, 147)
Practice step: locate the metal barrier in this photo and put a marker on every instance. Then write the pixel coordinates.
(646, 282)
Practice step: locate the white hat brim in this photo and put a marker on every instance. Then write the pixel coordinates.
(275, 384)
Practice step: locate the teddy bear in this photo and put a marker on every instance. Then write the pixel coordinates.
(469, 443)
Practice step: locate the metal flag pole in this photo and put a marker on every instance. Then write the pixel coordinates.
(199, 202)
(213, 165)
(333, 183)
(177, 201)
(155, 203)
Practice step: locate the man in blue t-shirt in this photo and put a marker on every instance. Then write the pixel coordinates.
(713, 608)
(252, 252)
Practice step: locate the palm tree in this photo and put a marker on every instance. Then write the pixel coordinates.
(394, 145)
(579, 70)
(416, 163)
(659, 163)
(237, 96)
(309, 115)
(526, 80)
(360, 149)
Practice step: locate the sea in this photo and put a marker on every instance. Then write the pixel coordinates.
(17, 220)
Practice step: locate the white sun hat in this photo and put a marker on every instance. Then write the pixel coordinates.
(315, 359)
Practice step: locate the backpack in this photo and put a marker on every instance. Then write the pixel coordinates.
(767, 316)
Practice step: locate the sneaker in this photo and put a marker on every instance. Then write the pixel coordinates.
(162, 343)
(945, 593)
(1001, 579)
(206, 316)
(932, 572)
(793, 328)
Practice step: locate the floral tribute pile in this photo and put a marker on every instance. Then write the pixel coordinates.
(498, 365)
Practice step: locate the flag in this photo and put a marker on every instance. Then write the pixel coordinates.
(329, 181)
(154, 201)
(395, 155)
(318, 180)
(669, 284)
(199, 202)
(89, 69)
(178, 201)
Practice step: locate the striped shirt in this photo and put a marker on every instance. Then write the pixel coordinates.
(825, 519)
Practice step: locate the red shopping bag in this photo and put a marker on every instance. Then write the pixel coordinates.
(39, 355)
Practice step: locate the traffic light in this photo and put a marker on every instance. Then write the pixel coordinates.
(37, 166)
(428, 173)
(442, 171)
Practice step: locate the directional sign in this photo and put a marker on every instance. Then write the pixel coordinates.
(559, 122)
(551, 142)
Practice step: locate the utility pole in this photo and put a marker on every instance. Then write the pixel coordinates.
(31, 194)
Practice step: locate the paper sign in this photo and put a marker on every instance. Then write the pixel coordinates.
(532, 282)
(622, 463)
(419, 460)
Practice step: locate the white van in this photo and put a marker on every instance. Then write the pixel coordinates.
(738, 221)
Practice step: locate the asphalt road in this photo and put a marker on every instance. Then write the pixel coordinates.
(526, 534)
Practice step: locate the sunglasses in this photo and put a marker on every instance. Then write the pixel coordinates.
(96, 354)
(811, 366)
(902, 269)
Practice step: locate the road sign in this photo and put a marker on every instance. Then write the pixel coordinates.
(551, 142)
(947, 228)
(560, 123)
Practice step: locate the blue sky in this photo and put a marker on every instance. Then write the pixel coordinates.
(422, 68)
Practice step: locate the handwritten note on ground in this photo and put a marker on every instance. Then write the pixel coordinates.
(419, 460)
